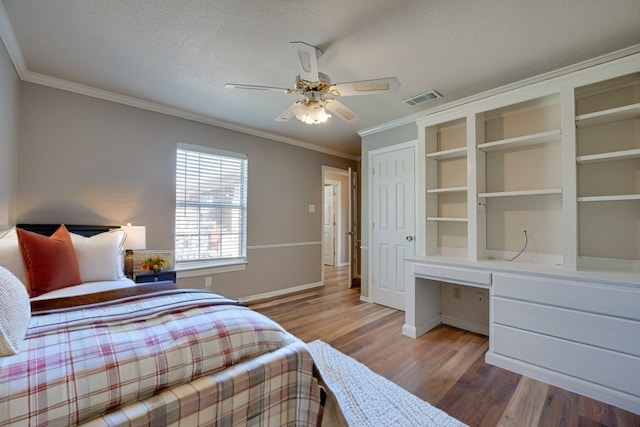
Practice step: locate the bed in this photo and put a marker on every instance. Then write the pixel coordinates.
(113, 353)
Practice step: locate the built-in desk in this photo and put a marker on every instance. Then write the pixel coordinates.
(422, 284)
(579, 330)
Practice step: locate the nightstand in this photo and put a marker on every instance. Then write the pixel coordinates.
(163, 276)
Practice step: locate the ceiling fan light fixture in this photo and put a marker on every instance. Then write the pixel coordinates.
(311, 113)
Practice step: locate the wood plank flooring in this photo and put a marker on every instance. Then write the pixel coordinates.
(445, 367)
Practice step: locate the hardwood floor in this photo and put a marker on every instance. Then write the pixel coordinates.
(445, 367)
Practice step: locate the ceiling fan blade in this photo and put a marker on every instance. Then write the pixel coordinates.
(254, 87)
(306, 57)
(341, 110)
(366, 87)
(287, 114)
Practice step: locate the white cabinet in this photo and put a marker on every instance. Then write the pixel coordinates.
(534, 193)
(580, 335)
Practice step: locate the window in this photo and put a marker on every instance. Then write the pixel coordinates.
(211, 207)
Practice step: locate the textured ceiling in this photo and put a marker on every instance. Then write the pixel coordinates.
(180, 53)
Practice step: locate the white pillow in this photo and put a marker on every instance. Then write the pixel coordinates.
(15, 313)
(100, 256)
(10, 255)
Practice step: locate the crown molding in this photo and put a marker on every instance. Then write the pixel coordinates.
(69, 86)
(8, 37)
(611, 56)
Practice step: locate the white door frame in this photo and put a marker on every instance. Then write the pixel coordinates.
(409, 144)
(338, 207)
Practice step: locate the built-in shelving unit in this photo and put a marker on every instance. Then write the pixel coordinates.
(562, 164)
(608, 173)
(446, 187)
(520, 154)
(546, 215)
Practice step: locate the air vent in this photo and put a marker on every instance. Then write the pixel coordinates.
(422, 98)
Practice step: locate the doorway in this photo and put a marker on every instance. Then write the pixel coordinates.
(338, 214)
(331, 188)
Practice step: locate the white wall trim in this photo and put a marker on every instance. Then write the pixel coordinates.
(281, 292)
(502, 89)
(283, 245)
(181, 273)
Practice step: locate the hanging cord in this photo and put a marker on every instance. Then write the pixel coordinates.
(526, 242)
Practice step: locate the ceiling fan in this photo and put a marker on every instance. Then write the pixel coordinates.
(319, 94)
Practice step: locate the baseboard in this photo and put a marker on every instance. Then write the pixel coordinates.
(280, 292)
(409, 331)
(478, 328)
(365, 299)
(416, 331)
(610, 396)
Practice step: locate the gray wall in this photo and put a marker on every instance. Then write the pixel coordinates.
(387, 138)
(9, 108)
(88, 161)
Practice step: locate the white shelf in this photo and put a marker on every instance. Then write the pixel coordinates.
(447, 190)
(611, 115)
(522, 141)
(542, 192)
(446, 219)
(609, 157)
(448, 154)
(616, 198)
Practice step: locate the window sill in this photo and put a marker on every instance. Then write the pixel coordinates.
(204, 268)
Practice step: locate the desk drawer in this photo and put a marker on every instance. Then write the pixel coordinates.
(463, 276)
(608, 300)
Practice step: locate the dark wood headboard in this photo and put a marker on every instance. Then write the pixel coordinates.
(83, 230)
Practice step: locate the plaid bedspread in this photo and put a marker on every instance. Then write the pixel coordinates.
(83, 363)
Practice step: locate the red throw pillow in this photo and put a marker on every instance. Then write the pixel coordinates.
(51, 262)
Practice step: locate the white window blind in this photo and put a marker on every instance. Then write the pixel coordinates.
(211, 205)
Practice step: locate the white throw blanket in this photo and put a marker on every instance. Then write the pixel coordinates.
(368, 399)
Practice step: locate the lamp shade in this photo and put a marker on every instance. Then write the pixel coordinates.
(136, 237)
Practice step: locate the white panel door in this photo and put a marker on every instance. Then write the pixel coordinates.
(393, 216)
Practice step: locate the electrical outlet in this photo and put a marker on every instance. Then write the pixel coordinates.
(481, 298)
(207, 282)
(457, 293)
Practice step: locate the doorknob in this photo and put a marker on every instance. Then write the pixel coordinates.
(409, 238)
(350, 233)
